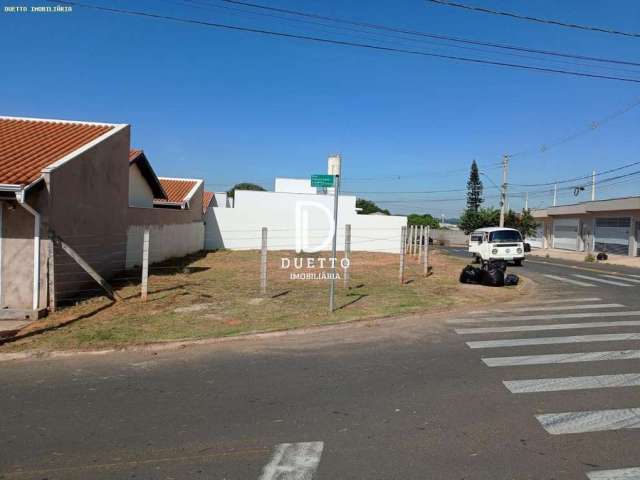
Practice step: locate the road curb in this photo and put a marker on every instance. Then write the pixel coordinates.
(527, 285)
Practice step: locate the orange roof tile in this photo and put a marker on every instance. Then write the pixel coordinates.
(207, 198)
(27, 146)
(133, 154)
(177, 189)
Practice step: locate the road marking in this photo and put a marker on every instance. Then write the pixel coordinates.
(620, 474)
(517, 342)
(573, 383)
(601, 280)
(590, 421)
(561, 358)
(550, 316)
(560, 300)
(524, 308)
(557, 326)
(568, 280)
(293, 461)
(618, 277)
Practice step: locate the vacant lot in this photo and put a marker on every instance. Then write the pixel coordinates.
(218, 294)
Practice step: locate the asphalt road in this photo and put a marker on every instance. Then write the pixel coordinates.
(397, 399)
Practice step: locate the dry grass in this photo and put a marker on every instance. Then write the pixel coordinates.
(218, 295)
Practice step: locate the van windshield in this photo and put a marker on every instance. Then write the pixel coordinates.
(505, 236)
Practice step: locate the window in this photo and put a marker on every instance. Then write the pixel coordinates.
(502, 236)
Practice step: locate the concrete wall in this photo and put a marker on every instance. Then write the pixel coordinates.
(172, 232)
(240, 227)
(16, 262)
(140, 193)
(450, 237)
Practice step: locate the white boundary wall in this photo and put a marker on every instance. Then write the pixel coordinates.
(165, 241)
(239, 228)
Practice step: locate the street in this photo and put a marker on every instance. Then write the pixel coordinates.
(545, 388)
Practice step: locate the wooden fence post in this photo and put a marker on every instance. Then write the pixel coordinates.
(145, 264)
(426, 252)
(347, 253)
(403, 239)
(263, 263)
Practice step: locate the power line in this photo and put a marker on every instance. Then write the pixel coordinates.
(347, 43)
(535, 19)
(590, 128)
(569, 180)
(426, 34)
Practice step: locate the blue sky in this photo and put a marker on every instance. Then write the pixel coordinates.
(230, 107)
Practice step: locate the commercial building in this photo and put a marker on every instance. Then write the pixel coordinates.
(610, 226)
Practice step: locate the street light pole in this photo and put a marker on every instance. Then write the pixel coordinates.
(335, 170)
(503, 190)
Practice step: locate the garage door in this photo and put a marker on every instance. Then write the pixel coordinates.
(537, 239)
(565, 233)
(612, 235)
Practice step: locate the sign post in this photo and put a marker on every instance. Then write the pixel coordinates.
(334, 174)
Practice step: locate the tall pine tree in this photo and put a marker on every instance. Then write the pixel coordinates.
(474, 189)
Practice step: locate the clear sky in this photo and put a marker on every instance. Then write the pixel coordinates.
(230, 106)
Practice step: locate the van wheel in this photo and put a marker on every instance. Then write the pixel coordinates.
(517, 263)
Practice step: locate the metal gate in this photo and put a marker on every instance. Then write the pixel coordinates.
(565, 233)
(612, 235)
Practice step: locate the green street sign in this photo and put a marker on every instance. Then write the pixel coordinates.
(322, 180)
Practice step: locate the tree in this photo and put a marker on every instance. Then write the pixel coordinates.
(426, 220)
(245, 186)
(482, 218)
(369, 207)
(474, 189)
(490, 217)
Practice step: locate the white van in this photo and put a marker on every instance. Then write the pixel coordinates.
(496, 243)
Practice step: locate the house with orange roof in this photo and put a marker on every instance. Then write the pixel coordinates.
(82, 183)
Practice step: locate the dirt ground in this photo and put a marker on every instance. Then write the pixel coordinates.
(217, 294)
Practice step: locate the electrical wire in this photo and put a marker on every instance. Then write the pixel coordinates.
(347, 43)
(535, 19)
(422, 34)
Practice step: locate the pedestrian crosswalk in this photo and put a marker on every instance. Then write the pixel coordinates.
(594, 279)
(502, 330)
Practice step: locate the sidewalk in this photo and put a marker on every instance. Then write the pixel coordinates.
(622, 260)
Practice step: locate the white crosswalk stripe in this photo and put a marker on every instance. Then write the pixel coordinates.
(590, 421)
(546, 302)
(553, 358)
(519, 342)
(572, 383)
(293, 461)
(550, 316)
(569, 280)
(619, 474)
(601, 280)
(618, 277)
(592, 306)
(556, 326)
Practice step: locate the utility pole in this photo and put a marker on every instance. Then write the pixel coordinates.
(555, 194)
(593, 185)
(526, 200)
(503, 190)
(335, 167)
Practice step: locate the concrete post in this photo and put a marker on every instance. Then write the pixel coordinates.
(425, 258)
(347, 253)
(145, 265)
(263, 263)
(403, 240)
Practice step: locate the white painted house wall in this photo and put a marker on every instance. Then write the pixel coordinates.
(140, 193)
(165, 241)
(240, 227)
(294, 185)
